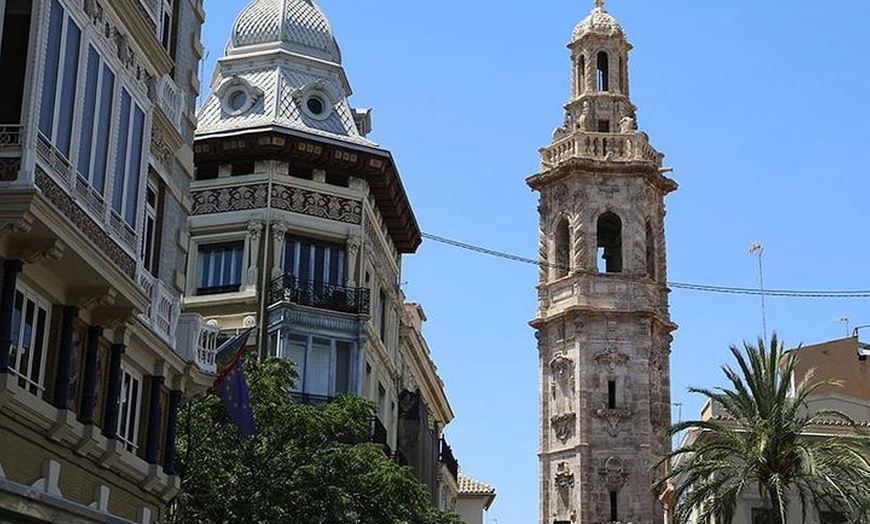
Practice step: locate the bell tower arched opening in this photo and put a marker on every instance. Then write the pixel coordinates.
(603, 71)
(581, 75)
(609, 243)
(562, 240)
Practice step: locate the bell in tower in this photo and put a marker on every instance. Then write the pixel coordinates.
(602, 322)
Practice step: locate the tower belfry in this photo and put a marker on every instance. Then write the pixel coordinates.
(602, 323)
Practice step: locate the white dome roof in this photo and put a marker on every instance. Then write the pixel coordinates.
(298, 26)
(599, 22)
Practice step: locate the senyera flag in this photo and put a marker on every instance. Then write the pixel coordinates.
(230, 383)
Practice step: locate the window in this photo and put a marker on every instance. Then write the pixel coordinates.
(611, 394)
(381, 316)
(581, 75)
(609, 243)
(129, 413)
(563, 248)
(167, 32)
(603, 73)
(323, 365)
(614, 506)
(220, 268)
(312, 261)
(149, 253)
(13, 59)
(95, 131)
(59, 79)
(30, 324)
(128, 159)
(650, 251)
(604, 126)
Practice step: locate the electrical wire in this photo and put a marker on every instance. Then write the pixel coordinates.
(707, 288)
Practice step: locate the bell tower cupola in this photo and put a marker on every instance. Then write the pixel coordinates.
(602, 323)
(599, 82)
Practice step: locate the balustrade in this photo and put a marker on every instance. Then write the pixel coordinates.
(170, 99)
(197, 341)
(600, 146)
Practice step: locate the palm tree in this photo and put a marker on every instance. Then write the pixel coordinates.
(762, 442)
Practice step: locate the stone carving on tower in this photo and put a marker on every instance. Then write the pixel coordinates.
(603, 327)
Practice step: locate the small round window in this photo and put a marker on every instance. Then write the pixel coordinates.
(237, 100)
(315, 105)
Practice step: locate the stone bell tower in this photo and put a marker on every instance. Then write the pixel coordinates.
(602, 322)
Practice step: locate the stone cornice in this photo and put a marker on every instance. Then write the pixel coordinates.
(144, 34)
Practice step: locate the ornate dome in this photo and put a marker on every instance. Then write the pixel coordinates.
(298, 26)
(599, 22)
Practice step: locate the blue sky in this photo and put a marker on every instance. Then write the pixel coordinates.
(759, 106)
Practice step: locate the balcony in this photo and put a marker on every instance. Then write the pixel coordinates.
(309, 399)
(163, 309)
(321, 295)
(445, 456)
(170, 99)
(600, 146)
(197, 341)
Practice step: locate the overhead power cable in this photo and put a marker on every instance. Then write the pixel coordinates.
(708, 288)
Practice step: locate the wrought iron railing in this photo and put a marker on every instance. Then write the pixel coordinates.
(10, 137)
(446, 457)
(288, 288)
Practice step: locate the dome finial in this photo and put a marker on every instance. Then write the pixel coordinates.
(599, 4)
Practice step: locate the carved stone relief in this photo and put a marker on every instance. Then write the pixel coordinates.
(612, 357)
(613, 473)
(564, 483)
(612, 418)
(563, 426)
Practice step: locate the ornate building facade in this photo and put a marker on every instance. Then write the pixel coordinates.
(299, 224)
(96, 135)
(602, 323)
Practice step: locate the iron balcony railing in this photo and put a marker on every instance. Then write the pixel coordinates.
(288, 288)
(310, 399)
(446, 457)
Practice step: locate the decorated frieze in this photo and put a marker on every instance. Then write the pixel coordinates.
(293, 199)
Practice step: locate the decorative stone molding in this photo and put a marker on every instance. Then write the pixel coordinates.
(113, 317)
(612, 417)
(611, 358)
(92, 297)
(32, 250)
(563, 425)
(9, 168)
(613, 473)
(561, 365)
(564, 479)
(77, 216)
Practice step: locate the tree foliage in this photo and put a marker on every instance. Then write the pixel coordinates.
(763, 442)
(304, 464)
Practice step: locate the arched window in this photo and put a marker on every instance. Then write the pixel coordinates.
(621, 72)
(609, 243)
(563, 248)
(650, 252)
(603, 74)
(581, 74)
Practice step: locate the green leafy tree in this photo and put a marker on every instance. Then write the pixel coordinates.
(304, 464)
(762, 442)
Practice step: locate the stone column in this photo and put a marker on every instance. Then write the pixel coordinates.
(113, 392)
(171, 432)
(89, 380)
(352, 247)
(279, 232)
(11, 268)
(255, 231)
(64, 358)
(155, 417)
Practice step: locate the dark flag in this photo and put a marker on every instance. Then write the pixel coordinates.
(230, 383)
